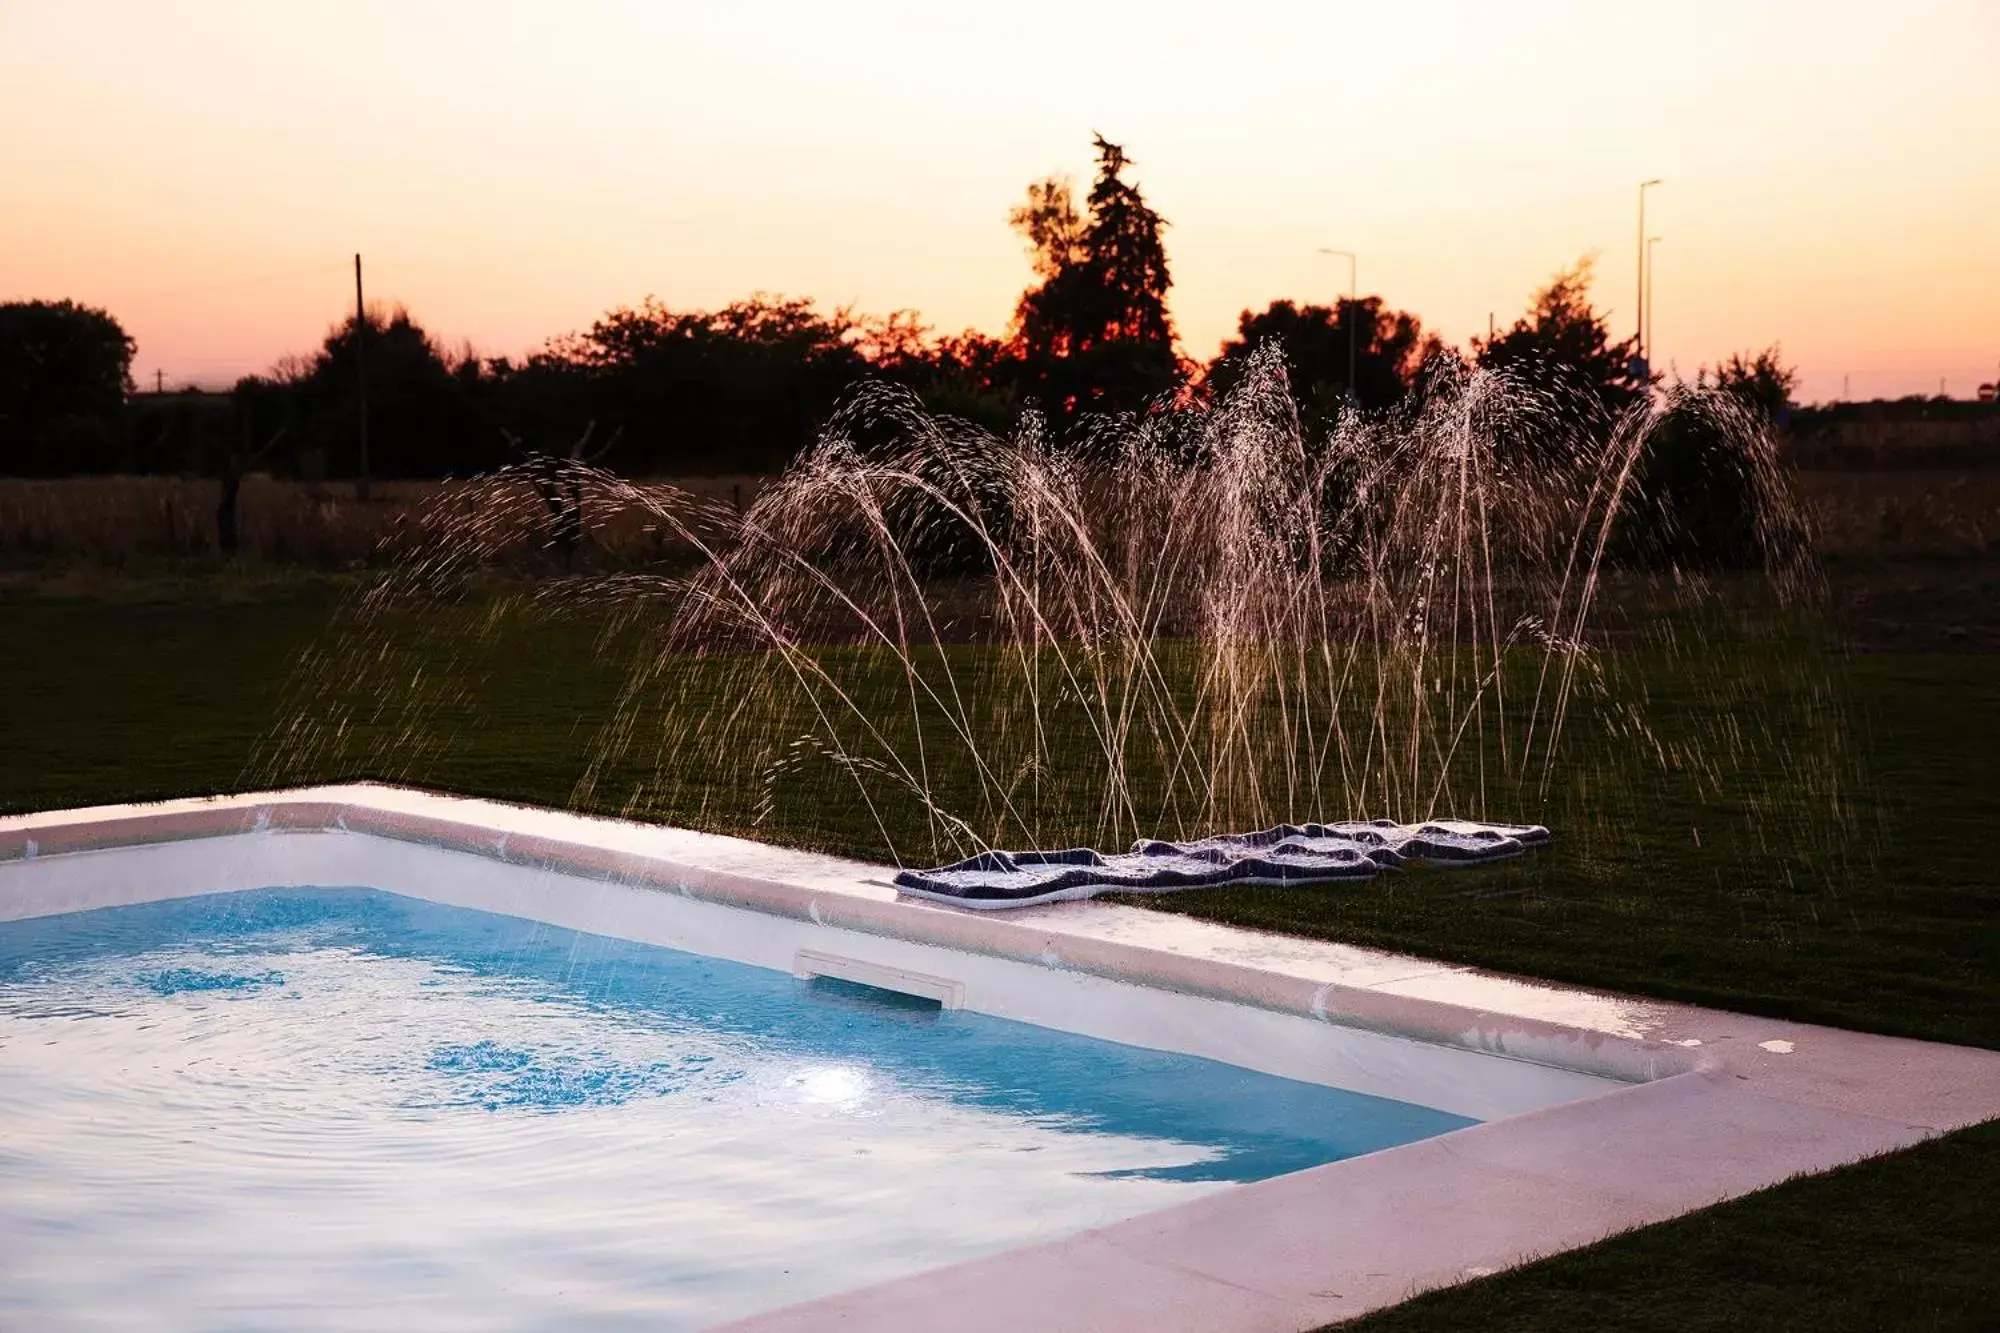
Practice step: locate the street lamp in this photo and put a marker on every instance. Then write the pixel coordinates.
(1643, 187)
(1353, 313)
(1651, 241)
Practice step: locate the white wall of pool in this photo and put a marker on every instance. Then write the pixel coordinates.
(1468, 1083)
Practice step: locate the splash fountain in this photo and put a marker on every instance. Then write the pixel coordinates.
(1205, 621)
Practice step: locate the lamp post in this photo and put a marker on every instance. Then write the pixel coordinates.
(361, 379)
(1651, 241)
(1643, 187)
(1353, 313)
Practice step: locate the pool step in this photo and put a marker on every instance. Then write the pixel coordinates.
(810, 963)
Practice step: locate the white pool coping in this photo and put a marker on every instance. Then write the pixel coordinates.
(1714, 1105)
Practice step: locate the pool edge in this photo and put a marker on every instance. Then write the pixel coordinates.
(1439, 1022)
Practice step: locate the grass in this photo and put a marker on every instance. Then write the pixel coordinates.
(1738, 899)
(1904, 1241)
(121, 695)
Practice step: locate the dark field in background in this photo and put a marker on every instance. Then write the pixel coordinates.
(1891, 513)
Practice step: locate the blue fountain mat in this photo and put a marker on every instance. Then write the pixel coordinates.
(1290, 854)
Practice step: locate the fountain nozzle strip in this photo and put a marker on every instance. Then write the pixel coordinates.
(1290, 854)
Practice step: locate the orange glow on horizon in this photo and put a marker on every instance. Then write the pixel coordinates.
(512, 170)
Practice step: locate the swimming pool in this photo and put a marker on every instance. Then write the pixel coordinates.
(477, 1093)
(1600, 1112)
(314, 1107)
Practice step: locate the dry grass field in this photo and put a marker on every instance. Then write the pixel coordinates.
(1917, 513)
(1908, 514)
(318, 525)
(1878, 440)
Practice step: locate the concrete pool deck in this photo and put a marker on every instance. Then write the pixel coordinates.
(1714, 1106)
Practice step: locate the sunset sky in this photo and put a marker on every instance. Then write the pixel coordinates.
(510, 170)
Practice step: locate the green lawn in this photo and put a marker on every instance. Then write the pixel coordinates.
(1901, 1242)
(1811, 856)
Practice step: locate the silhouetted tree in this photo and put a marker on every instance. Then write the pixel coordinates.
(426, 415)
(1704, 491)
(968, 375)
(1094, 333)
(741, 388)
(1052, 227)
(1390, 351)
(236, 464)
(64, 372)
(562, 481)
(185, 432)
(1763, 382)
(1563, 336)
(429, 414)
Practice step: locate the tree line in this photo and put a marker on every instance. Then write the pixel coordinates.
(661, 391)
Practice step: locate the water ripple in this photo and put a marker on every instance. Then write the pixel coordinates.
(321, 1109)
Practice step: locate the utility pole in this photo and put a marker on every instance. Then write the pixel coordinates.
(361, 379)
(1641, 330)
(159, 381)
(1353, 315)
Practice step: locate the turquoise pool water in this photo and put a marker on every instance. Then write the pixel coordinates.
(331, 1108)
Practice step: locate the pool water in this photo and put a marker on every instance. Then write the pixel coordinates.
(316, 1108)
